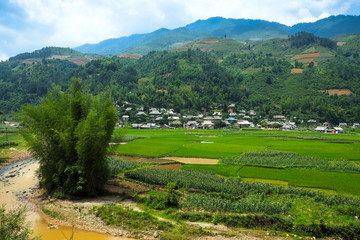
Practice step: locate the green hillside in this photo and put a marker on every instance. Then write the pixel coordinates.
(210, 74)
(56, 53)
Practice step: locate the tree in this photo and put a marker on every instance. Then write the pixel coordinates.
(69, 135)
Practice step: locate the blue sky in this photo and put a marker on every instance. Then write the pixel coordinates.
(28, 25)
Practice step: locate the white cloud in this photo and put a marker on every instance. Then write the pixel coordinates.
(3, 57)
(75, 22)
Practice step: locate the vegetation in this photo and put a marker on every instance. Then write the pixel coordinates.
(210, 198)
(13, 225)
(291, 160)
(187, 143)
(253, 76)
(69, 134)
(117, 166)
(130, 219)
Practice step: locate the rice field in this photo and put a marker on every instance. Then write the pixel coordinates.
(217, 144)
(342, 183)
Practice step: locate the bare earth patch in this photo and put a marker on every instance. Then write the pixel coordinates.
(130, 56)
(306, 55)
(193, 160)
(176, 166)
(215, 41)
(338, 92)
(297, 70)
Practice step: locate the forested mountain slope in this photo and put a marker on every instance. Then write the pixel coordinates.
(277, 76)
(238, 29)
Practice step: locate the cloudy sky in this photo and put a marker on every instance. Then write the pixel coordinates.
(28, 25)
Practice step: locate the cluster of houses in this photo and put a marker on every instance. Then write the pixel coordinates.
(327, 128)
(168, 118)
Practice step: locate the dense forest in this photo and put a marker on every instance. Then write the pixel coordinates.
(190, 80)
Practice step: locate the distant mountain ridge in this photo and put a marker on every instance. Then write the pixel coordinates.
(238, 29)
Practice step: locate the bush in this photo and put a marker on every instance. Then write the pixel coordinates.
(13, 225)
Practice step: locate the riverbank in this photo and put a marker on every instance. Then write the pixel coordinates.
(57, 218)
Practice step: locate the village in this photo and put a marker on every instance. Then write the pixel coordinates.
(140, 118)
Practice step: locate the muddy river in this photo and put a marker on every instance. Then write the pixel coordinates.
(17, 184)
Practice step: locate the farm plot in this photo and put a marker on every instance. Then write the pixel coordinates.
(192, 160)
(219, 144)
(342, 183)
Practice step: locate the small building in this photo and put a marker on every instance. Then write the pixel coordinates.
(175, 118)
(343, 125)
(154, 112)
(338, 130)
(135, 126)
(321, 129)
(192, 125)
(312, 121)
(141, 113)
(125, 118)
(231, 108)
(231, 120)
(279, 117)
(356, 125)
(176, 123)
(244, 123)
(208, 125)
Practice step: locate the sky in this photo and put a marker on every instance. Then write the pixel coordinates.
(28, 25)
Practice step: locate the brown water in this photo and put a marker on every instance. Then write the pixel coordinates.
(15, 192)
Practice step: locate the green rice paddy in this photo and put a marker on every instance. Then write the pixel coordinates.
(222, 144)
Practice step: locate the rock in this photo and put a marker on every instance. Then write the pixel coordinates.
(156, 235)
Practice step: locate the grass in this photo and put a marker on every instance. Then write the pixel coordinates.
(342, 183)
(117, 215)
(8, 143)
(53, 214)
(223, 170)
(261, 180)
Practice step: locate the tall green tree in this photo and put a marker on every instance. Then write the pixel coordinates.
(69, 134)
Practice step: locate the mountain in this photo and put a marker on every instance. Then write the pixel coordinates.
(237, 29)
(331, 26)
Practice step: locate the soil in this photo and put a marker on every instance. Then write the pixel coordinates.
(306, 55)
(338, 92)
(189, 160)
(175, 166)
(297, 70)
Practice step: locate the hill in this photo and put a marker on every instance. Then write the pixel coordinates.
(296, 77)
(68, 54)
(237, 29)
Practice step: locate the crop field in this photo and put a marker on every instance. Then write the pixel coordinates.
(342, 183)
(306, 55)
(309, 160)
(221, 143)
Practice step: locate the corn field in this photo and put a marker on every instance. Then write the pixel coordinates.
(249, 205)
(291, 160)
(117, 166)
(211, 183)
